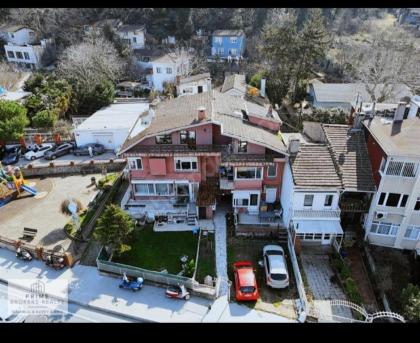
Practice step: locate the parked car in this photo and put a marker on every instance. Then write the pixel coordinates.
(12, 155)
(97, 149)
(38, 151)
(275, 267)
(59, 150)
(246, 288)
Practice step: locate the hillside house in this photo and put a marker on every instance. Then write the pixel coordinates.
(228, 43)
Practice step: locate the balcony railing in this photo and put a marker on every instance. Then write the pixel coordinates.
(354, 206)
(174, 148)
(316, 214)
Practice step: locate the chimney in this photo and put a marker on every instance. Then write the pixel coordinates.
(201, 113)
(294, 144)
(262, 88)
(399, 112)
(414, 107)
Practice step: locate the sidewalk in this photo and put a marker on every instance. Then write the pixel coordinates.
(221, 249)
(88, 288)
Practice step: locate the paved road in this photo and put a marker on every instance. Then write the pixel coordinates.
(74, 314)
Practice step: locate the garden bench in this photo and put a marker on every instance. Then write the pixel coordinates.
(29, 233)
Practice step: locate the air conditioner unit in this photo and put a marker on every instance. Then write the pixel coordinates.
(381, 215)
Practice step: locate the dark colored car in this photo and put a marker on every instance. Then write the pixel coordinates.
(97, 149)
(12, 155)
(60, 150)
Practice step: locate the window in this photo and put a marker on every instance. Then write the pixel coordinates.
(187, 137)
(382, 199)
(382, 228)
(242, 146)
(168, 70)
(405, 169)
(417, 205)
(404, 200)
(134, 40)
(248, 173)
(135, 163)
(412, 232)
(162, 189)
(185, 163)
(145, 188)
(309, 236)
(164, 139)
(254, 199)
(326, 236)
(233, 52)
(383, 164)
(309, 199)
(26, 55)
(328, 200)
(241, 202)
(158, 70)
(11, 54)
(233, 40)
(393, 199)
(218, 40)
(272, 171)
(19, 55)
(220, 51)
(318, 236)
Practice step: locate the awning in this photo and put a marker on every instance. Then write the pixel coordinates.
(318, 226)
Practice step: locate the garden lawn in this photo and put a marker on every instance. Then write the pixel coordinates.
(159, 250)
(207, 258)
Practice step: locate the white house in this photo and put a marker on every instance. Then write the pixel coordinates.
(194, 84)
(163, 67)
(133, 35)
(112, 125)
(310, 194)
(234, 85)
(24, 50)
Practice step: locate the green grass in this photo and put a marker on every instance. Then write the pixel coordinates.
(159, 250)
(109, 179)
(207, 258)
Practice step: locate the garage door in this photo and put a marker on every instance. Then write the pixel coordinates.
(107, 139)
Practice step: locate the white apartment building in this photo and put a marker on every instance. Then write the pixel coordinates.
(394, 149)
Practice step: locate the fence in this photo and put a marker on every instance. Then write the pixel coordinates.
(303, 307)
(158, 277)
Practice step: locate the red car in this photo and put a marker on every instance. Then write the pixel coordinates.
(245, 282)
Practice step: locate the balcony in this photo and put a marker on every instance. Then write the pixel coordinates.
(315, 214)
(354, 206)
(170, 149)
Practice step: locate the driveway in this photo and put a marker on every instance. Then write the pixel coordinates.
(318, 273)
(43, 213)
(65, 160)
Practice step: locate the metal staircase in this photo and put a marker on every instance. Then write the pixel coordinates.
(192, 214)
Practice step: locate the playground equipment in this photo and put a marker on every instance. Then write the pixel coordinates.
(12, 184)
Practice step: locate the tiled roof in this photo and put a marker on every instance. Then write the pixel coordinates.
(351, 156)
(228, 33)
(313, 167)
(235, 81)
(221, 109)
(130, 28)
(12, 28)
(194, 78)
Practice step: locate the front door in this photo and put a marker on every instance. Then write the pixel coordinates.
(202, 214)
(200, 89)
(270, 195)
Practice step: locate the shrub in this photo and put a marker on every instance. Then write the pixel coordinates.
(189, 268)
(352, 291)
(411, 300)
(44, 119)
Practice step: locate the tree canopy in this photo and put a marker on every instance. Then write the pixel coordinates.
(13, 120)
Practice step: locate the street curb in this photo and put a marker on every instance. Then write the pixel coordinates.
(97, 308)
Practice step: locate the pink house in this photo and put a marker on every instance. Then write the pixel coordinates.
(202, 151)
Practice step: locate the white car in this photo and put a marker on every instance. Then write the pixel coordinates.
(38, 151)
(275, 267)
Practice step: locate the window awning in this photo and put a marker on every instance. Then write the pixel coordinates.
(318, 226)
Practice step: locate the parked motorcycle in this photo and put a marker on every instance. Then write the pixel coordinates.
(177, 292)
(56, 263)
(23, 254)
(134, 285)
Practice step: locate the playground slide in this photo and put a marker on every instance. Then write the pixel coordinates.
(29, 189)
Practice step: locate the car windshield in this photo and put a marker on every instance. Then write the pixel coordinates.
(278, 277)
(274, 252)
(248, 289)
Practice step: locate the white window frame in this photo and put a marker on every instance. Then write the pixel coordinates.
(393, 228)
(218, 40)
(186, 159)
(418, 200)
(158, 70)
(332, 200)
(275, 171)
(233, 51)
(312, 203)
(255, 169)
(168, 70)
(135, 159)
(236, 198)
(154, 183)
(415, 229)
(220, 51)
(234, 40)
(386, 200)
(26, 54)
(382, 166)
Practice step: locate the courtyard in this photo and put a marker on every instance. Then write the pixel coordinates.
(159, 251)
(278, 301)
(43, 212)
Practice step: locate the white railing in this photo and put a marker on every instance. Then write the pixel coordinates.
(297, 214)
